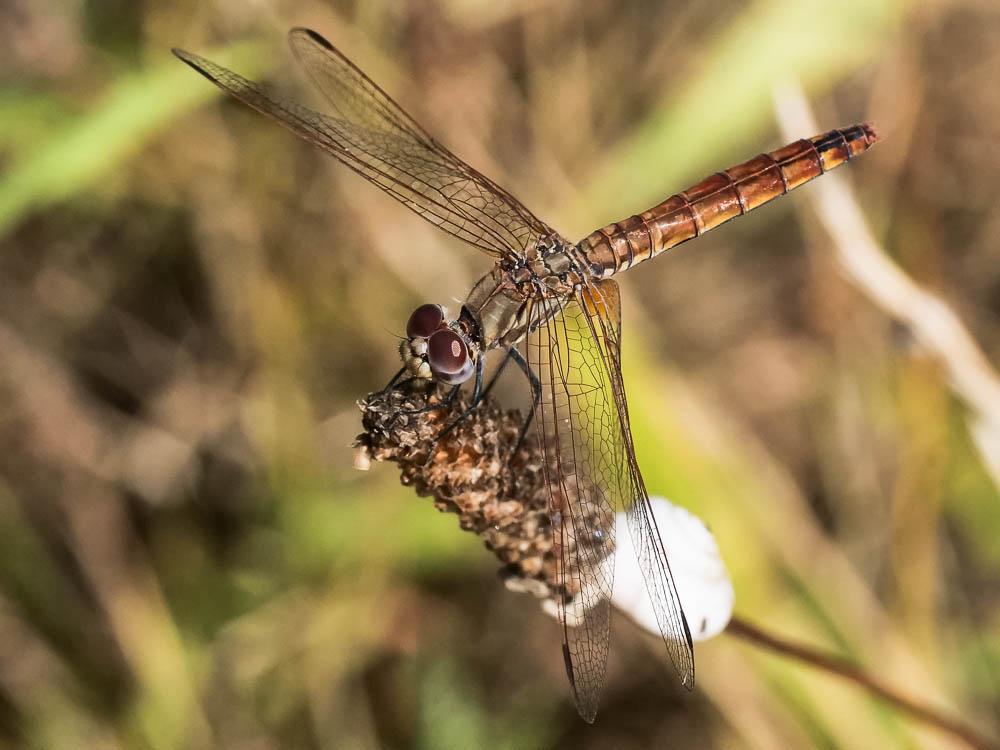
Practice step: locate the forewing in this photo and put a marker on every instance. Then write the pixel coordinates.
(357, 99)
(375, 137)
(601, 304)
(591, 472)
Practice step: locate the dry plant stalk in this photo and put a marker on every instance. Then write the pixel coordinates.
(931, 320)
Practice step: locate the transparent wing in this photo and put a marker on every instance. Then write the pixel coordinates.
(584, 430)
(576, 426)
(602, 305)
(375, 137)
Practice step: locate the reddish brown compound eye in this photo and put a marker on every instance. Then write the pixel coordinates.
(449, 358)
(424, 321)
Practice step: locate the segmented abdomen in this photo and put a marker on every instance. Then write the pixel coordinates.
(721, 197)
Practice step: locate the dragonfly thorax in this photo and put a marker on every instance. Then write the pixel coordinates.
(553, 267)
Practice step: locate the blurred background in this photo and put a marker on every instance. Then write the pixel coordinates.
(192, 300)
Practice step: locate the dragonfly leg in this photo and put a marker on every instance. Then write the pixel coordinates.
(513, 355)
(391, 383)
(477, 388)
(536, 395)
(477, 396)
(496, 376)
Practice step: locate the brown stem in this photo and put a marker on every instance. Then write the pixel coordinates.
(837, 665)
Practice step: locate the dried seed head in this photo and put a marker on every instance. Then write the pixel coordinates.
(471, 471)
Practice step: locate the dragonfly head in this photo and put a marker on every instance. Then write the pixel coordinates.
(435, 347)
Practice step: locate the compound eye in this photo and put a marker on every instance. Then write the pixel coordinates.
(424, 321)
(449, 358)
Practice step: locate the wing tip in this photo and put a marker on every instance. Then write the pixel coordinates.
(686, 669)
(195, 62)
(688, 679)
(315, 36)
(586, 708)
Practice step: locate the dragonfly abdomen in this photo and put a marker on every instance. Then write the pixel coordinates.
(721, 197)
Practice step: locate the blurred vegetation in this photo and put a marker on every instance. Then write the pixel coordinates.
(191, 302)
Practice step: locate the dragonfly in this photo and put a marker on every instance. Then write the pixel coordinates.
(548, 305)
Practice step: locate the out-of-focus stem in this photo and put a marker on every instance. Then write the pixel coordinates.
(933, 323)
(740, 628)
